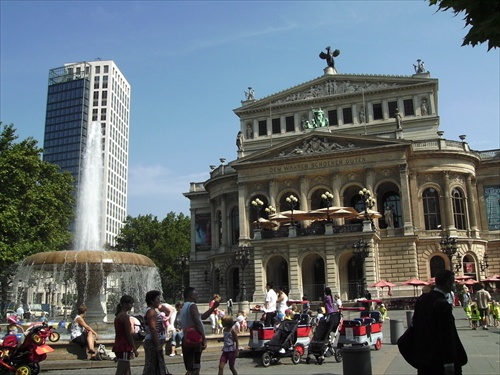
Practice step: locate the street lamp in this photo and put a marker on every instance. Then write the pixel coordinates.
(183, 262)
(257, 204)
(292, 202)
(327, 197)
(368, 203)
(270, 210)
(361, 251)
(242, 256)
(449, 247)
(484, 264)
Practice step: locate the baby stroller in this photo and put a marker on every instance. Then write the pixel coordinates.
(25, 358)
(325, 339)
(284, 344)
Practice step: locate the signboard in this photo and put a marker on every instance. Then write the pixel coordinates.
(492, 202)
(202, 232)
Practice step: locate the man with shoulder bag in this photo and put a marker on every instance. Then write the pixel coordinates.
(431, 344)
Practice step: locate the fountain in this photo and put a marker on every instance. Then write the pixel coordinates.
(89, 272)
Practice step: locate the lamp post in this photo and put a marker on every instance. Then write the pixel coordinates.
(368, 203)
(50, 288)
(257, 204)
(449, 247)
(242, 256)
(327, 197)
(361, 251)
(183, 262)
(484, 264)
(270, 210)
(292, 202)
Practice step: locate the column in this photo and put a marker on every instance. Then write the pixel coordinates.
(405, 199)
(258, 276)
(471, 206)
(242, 197)
(448, 207)
(294, 277)
(272, 193)
(193, 236)
(213, 212)
(224, 222)
(304, 188)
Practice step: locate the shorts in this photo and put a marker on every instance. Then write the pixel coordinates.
(483, 312)
(124, 356)
(192, 358)
(81, 340)
(228, 357)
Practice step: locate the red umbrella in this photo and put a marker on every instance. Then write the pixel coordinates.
(469, 282)
(382, 284)
(492, 279)
(415, 282)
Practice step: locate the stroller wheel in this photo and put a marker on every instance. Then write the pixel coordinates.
(296, 355)
(54, 336)
(378, 344)
(337, 353)
(23, 370)
(266, 359)
(320, 360)
(35, 368)
(308, 360)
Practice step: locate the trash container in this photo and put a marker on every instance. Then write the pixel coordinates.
(396, 327)
(409, 317)
(356, 360)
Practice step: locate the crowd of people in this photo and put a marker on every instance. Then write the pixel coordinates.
(179, 329)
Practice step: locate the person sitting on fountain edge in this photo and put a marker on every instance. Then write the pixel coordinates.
(82, 334)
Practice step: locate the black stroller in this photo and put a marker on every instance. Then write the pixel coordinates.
(325, 339)
(284, 344)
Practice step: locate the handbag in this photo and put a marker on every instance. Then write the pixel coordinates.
(406, 346)
(192, 338)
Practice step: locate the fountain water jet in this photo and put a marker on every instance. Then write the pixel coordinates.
(94, 274)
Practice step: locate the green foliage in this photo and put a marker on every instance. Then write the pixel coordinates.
(482, 15)
(163, 242)
(36, 202)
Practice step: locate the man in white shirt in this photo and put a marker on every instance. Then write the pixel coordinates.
(270, 304)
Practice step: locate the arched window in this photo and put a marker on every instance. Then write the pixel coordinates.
(392, 200)
(437, 264)
(432, 216)
(235, 225)
(458, 208)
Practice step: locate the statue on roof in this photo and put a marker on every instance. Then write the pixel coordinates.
(319, 120)
(419, 67)
(250, 94)
(328, 56)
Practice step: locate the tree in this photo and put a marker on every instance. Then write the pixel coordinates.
(36, 204)
(482, 15)
(163, 242)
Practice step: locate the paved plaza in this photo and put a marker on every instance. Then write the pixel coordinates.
(483, 349)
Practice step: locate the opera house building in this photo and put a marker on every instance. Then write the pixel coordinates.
(344, 181)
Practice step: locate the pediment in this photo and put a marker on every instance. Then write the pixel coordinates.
(319, 143)
(332, 87)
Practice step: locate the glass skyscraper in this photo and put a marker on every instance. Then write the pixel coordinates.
(79, 94)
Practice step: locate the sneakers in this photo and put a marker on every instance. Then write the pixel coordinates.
(171, 355)
(282, 350)
(486, 328)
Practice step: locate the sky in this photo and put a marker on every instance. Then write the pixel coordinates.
(189, 63)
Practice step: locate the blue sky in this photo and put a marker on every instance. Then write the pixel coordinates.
(189, 63)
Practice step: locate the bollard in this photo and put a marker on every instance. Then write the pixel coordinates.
(356, 360)
(409, 317)
(396, 328)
